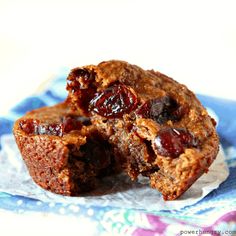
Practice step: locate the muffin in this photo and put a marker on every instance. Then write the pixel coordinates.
(62, 150)
(155, 125)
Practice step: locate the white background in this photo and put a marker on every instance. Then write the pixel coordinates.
(192, 41)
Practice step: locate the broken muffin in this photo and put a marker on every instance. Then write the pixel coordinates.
(155, 125)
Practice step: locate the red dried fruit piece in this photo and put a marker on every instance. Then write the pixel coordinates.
(172, 142)
(161, 110)
(86, 95)
(29, 126)
(67, 124)
(79, 79)
(70, 123)
(114, 101)
(82, 73)
(50, 129)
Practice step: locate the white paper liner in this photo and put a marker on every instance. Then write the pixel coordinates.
(118, 191)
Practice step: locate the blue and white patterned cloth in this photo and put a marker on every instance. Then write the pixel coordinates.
(220, 202)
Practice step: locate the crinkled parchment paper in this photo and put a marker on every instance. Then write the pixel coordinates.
(116, 191)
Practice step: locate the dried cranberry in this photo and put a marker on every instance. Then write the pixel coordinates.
(70, 123)
(50, 129)
(114, 102)
(82, 73)
(29, 126)
(79, 79)
(86, 95)
(73, 86)
(172, 142)
(67, 124)
(160, 109)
